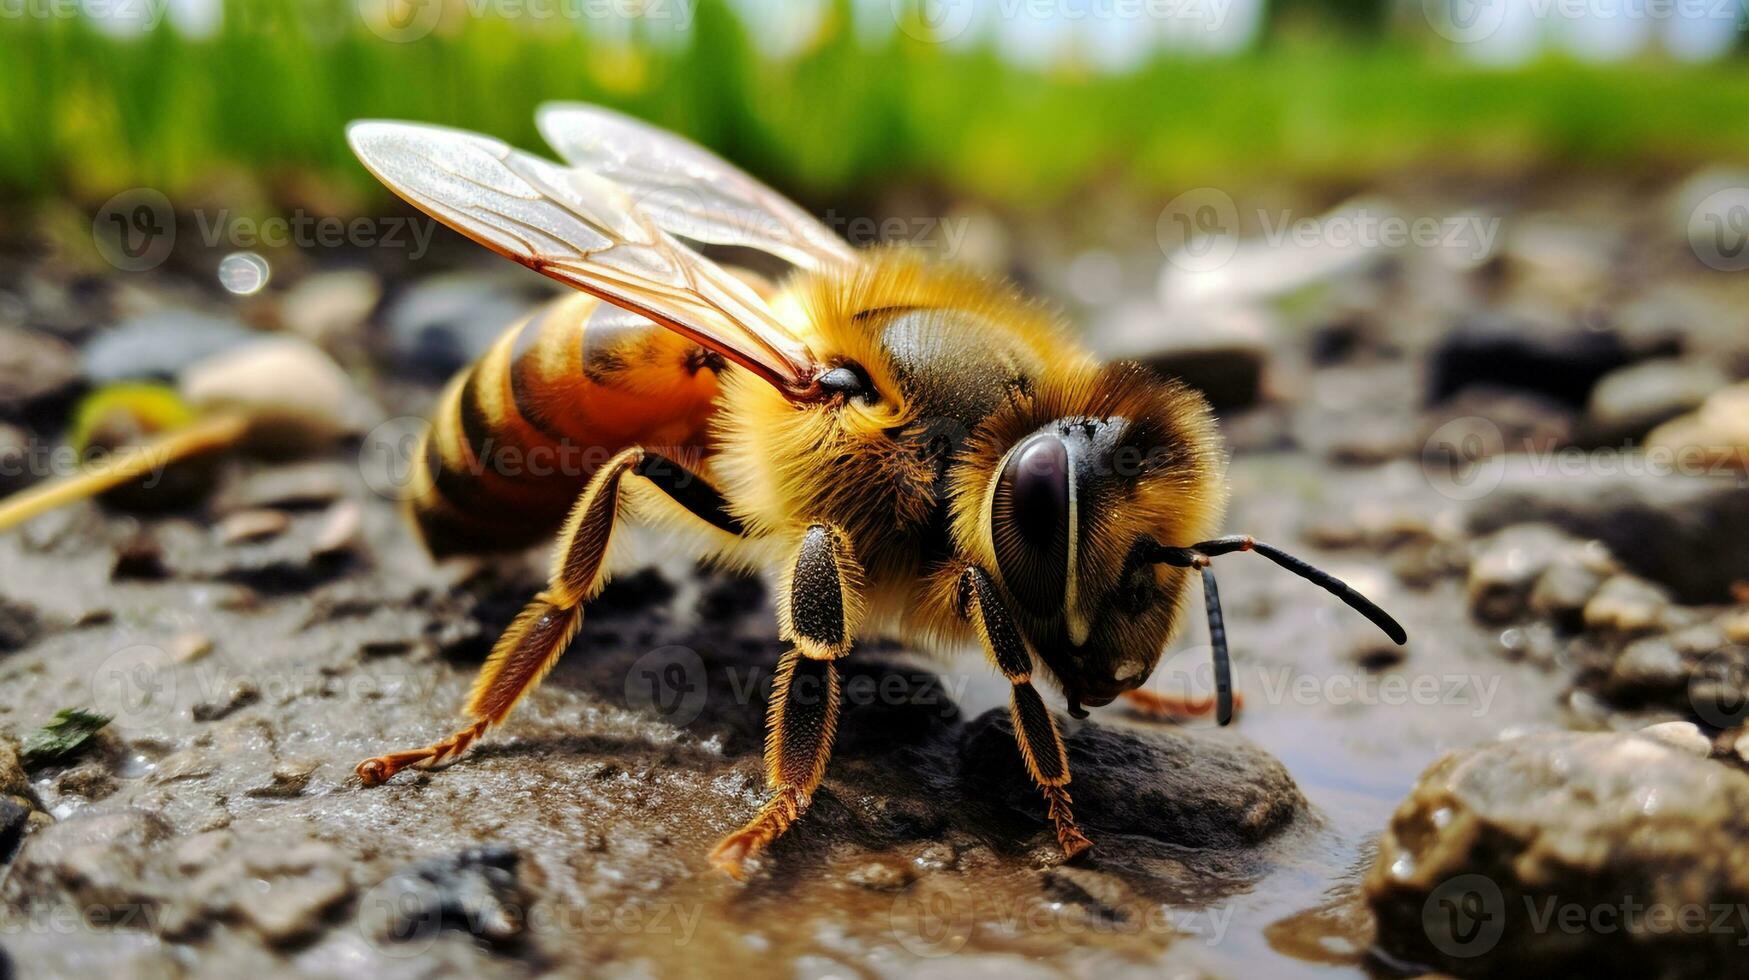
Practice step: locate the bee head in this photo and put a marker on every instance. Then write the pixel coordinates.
(1121, 460)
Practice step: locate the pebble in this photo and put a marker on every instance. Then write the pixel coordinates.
(296, 486)
(20, 625)
(139, 558)
(1742, 746)
(160, 345)
(1684, 735)
(475, 890)
(296, 397)
(1716, 433)
(341, 530)
(1626, 604)
(241, 695)
(1594, 820)
(246, 526)
(1223, 354)
(190, 647)
(1735, 625)
(34, 368)
(881, 876)
(329, 306)
(1507, 564)
(1628, 402)
(288, 779)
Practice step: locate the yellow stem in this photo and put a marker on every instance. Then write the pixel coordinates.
(123, 465)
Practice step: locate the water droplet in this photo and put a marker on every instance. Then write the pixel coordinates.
(243, 273)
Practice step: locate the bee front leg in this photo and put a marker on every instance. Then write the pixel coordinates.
(540, 633)
(819, 604)
(1035, 731)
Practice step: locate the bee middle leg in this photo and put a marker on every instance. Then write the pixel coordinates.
(529, 648)
(1035, 731)
(819, 604)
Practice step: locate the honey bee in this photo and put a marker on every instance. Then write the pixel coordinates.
(915, 448)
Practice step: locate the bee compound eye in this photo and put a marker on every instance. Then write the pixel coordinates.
(1030, 521)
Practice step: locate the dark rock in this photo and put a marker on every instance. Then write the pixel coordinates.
(1495, 351)
(14, 823)
(158, 346)
(19, 625)
(446, 322)
(473, 891)
(1223, 354)
(139, 558)
(1161, 783)
(1548, 854)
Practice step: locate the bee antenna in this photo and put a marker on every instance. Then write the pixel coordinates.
(1200, 555)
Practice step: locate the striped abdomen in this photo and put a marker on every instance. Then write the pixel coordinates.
(517, 435)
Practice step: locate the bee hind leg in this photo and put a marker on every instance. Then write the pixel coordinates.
(529, 648)
(1035, 731)
(819, 604)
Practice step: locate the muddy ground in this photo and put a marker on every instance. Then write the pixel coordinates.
(1443, 430)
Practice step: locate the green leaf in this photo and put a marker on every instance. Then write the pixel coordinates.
(62, 738)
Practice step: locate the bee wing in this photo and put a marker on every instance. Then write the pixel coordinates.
(585, 231)
(686, 188)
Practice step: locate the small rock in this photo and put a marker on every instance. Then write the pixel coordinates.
(161, 345)
(34, 368)
(329, 306)
(190, 647)
(1684, 735)
(288, 780)
(1628, 402)
(1626, 604)
(1742, 746)
(296, 487)
(1493, 840)
(1735, 625)
(1715, 435)
(881, 876)
(90, 780)
(242, 695)
(1509, 563)
(1647, 670)
(475, 891)
(296, 397)
(1223, 355)
(19, 625)
(1159, 783)
(1562, 591)
(340, 531)
(253, 525)
(139, 559)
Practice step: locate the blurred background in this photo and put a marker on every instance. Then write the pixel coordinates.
(1464, 279)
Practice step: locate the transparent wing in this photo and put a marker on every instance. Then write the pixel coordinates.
(687, 189)
(584, 231)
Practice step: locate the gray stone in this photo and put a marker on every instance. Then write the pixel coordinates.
(1481, 862)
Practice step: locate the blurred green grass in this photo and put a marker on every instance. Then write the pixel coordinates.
(84, 113)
